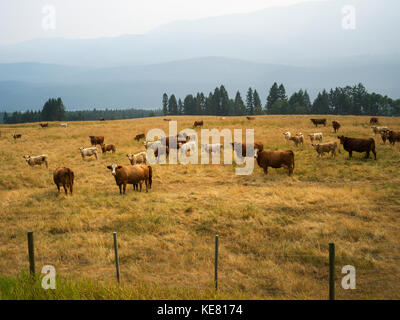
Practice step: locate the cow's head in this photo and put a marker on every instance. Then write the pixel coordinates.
(342, 139)
(113, 168)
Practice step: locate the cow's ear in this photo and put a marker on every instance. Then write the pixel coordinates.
(119, 167)
(109, 167)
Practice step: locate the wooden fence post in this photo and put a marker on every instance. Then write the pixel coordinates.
(116, 256)
(216, 263)
(331, 271)
(31, 253)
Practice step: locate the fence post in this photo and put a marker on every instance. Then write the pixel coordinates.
(216, 263)
(116, 256)
(31, 253)
(331, 271)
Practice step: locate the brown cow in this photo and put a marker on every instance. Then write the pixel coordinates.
(44, 125)
(373, 120)
(358, 145)
(275, 159)
(64, 177)
(243, 146)
(250, 118)
(102, 119)
(108, 147)
(316, 122)
(384, 135)
(198, 123)
(394, 136)
(16, 136)
(165, 119)
(139, 136)
(336, 125)
(129, 175)
(94, 140)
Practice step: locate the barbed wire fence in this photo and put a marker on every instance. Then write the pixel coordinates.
(272, 275)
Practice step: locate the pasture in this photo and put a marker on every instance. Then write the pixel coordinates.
(273, 229)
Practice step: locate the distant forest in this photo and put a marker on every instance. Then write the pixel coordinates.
(340, 101)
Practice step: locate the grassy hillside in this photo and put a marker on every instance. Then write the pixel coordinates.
(274, 230)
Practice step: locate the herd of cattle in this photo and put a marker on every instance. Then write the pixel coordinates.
(138, 172)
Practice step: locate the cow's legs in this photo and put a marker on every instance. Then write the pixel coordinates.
(120, 188)
(70, 188)
(124, 188)
(367, 155)
(65, 189)
(266, 170)
(374, 152)
(350, 154)
(58, 188)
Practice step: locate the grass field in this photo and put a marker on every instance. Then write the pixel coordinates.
(273, 229)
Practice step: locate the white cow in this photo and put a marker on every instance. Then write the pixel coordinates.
(287, 136)
(213, 147)
(37, 160)
(316, 136)
(87, 152)
(137, 158)
(64, 125)
(377, 130)
(188, 146)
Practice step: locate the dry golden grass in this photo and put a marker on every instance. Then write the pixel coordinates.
(274, 230)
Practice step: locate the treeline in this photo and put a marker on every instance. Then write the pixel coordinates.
(341, 101)
(54, 110)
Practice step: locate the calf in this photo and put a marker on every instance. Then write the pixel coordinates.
(275, 159)
(393, 137)
(16, 136)
(107, 147)
(385, 136)
(64, 125)
(336, 125)
(297, 140)
(64, 177)
(316, 136)
(198, 123)
(377, 130)
(139, 136)
(188, 146)
(137, 158)
(316, 122)
(134, 175)
(287, 135)
(95, 140)
(36, 160)
(358, 145)
(326, 147)
(87, 152)
(212, 147)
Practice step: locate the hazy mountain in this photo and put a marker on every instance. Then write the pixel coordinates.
(142, 86)
(307, 33)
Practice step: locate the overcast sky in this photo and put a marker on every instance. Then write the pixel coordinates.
(23, 19)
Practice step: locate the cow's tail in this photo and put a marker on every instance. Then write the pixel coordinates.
(150, 175)
(372, 144)
(292, 153)
(70, 175)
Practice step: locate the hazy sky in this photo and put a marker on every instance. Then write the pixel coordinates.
(23, 19)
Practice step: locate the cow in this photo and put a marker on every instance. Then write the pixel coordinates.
(64, 125)
(188, 146)
(316, 136)
(95, 140)
(393, 137)
(243, 147)
(385, 135)
(37, 160)
(212, 147)
(16, 136)
(336, 126)
(316, 122)
(139, 136)
(377, 130)
(165, 119)
(358, 145)
(373, 120)
(297, 140)
(198, 123)
(64, 177)
(222, 118)
(102, 119)
(108, 147)
(275, 159)
(137, 158)
(87, 152)
(250, 118)
(287, 135)
(321, 148)
(134, 175)
(44, 125)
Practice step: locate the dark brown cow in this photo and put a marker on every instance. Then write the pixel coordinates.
(251, 118)
(198, 123)
(94, 140)
(64, 177)
(336, 126)
(276, 159)
(102, 119)
(124, 175)
(139, 136)
(358, 145)
(165, 119)
(316, 122)
(384, 135)
(373, 120)
(44, 125)
(108, 147)
(16, 136)
(393, 137)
